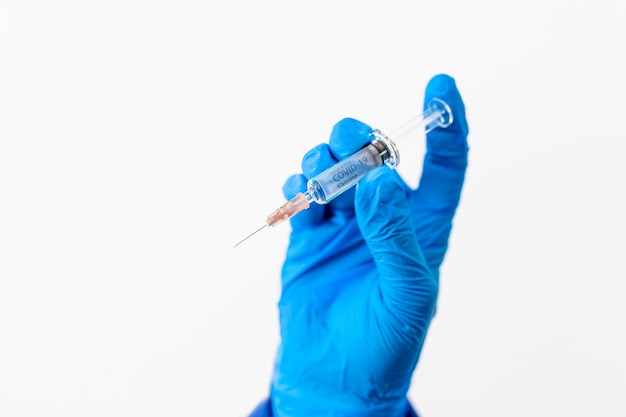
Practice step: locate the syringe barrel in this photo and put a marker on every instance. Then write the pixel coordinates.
(348, 172)
(332, 182)
(381, 150)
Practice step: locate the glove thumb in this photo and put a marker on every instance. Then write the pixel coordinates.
(408, 289)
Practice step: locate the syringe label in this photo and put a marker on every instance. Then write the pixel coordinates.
(348, 172)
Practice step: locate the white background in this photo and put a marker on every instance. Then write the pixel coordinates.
(140, 139)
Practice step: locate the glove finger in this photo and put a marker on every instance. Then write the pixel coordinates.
(448, 144)
(313, 163)
(434, 202)
(347, 136)
(296, 184)
(408, 291)
(317, 160)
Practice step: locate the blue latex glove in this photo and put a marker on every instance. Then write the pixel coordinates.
(359, 285)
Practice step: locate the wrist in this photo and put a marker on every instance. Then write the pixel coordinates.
(298, 403)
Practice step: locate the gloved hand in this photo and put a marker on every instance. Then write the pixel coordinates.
(359, 284)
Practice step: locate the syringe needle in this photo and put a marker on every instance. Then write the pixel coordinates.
(250, 235)
(286, 211)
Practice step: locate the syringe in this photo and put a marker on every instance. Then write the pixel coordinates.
(346, 173)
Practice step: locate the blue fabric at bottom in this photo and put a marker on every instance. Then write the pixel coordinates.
(264, 409)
